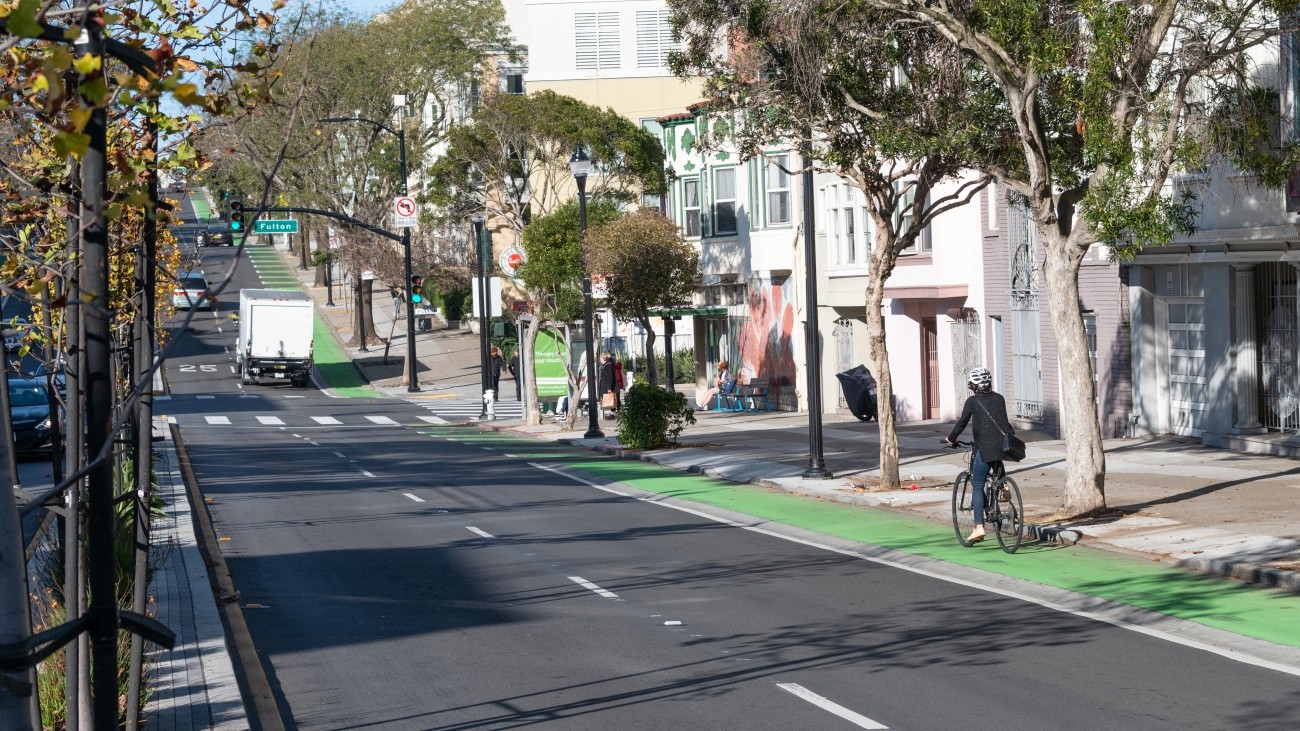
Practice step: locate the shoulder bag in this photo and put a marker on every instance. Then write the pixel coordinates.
(1013, 449)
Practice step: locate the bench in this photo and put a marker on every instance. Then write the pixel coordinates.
(756, 392)
(746, 397)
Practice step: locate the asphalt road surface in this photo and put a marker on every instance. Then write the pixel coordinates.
(399, 574)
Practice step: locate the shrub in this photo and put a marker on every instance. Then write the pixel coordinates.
(455, 304)
(652, 417)
(683, 365)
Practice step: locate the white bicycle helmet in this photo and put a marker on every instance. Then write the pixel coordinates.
(979, 377)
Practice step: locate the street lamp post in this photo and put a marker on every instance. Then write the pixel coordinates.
(485, 361)
(412, 382)
(580, 164)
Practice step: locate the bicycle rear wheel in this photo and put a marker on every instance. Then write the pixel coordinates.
(1009, 515)
(963, 516)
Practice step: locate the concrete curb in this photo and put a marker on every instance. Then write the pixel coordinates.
(1247, 572)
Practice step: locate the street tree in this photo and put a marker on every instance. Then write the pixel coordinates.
(647, 265)
(1100, 104)
(553, 276)
(92, 132)
(1105, 101)
(510, 164)
(897, 114)
(333, 65)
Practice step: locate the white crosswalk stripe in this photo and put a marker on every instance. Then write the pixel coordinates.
(468, 408)
(245, 420)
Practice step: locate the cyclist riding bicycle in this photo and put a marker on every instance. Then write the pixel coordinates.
(989, 411)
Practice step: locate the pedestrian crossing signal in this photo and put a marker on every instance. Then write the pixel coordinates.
(235, 214)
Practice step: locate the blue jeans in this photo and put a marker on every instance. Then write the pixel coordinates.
(979, 474)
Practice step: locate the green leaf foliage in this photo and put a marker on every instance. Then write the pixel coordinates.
(553, 270)
(646, 263)
(652, 417)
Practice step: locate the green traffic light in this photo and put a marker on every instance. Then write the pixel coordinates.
(236, 225)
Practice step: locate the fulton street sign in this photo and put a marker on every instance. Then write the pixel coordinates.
(275, 226)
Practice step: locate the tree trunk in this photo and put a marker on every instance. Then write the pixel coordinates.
(322, 244)
(882, 265)
(359, 320)
(651, 371)
(367, 309)
(304, 258)
(532, 407)
(574, 379)
(1085, 460)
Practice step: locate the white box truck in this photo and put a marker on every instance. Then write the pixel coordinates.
(275, 335)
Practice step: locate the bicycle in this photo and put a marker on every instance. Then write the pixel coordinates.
(1003, 508)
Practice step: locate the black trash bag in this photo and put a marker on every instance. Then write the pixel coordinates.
(859, 391)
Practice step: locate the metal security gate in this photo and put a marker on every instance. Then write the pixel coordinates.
(1185, 328)
(966, 352)
(1026, 343)
(843, 335)
(1279, 312)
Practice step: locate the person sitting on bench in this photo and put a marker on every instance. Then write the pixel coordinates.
(723, 383)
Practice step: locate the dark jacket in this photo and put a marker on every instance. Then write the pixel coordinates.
(990, 424)
(605, 381)
(498, 363)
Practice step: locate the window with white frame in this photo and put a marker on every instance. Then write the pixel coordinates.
(724, 201)
(654, 39)
(596, 41)
(850, 228)
(903, 218)
(777, 182)
(691, 206)
(868, 233)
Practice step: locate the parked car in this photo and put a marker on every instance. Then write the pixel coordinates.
(29, 409)
(216, 237)
(14, 332)
(192, 292)
(60, 376)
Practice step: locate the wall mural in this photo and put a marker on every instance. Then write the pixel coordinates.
(765, 340)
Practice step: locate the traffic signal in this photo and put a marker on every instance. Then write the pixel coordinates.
(417, 282)
(235, 214)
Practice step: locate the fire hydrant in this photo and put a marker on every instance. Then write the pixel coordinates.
(490, 402)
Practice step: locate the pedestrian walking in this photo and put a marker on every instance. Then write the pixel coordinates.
(605, 385)
(988, 411)
(494, 371)
(619, 385)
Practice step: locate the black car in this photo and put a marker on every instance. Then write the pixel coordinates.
(29, 409)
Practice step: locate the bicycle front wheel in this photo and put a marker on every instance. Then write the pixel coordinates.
(1009, 520)
(963, 515)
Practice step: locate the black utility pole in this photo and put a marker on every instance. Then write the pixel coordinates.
(816, 463)
(485, 361)
(580, 164)
(103, 614)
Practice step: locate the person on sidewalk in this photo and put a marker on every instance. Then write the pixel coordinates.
(619, 384)
(723, 383)
(513, 367)
(989, 410)
(494, 371)
(605, 385)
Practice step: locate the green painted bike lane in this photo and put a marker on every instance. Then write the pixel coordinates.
(1272, 615)
(333, 366)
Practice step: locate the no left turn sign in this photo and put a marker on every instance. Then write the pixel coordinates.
(404, 212)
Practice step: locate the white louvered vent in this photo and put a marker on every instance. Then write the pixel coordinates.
(654, 39)
(596, 41)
